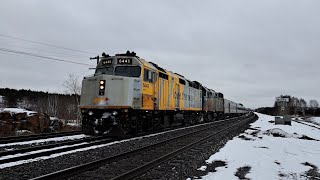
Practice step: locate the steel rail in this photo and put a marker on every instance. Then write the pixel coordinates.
(147, 166)
(48, 146)
(65, 173)
(314, 126)
(12, 139)
(68, 142)
(54, 151)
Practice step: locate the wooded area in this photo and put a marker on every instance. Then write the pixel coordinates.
(296, 106)
(62, 106)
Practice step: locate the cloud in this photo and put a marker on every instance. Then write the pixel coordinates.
(252, 51)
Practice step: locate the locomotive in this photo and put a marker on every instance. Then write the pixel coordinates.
(128, 95)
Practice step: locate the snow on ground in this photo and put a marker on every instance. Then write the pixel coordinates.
(18, 110)
(63, 138)
(268, 151)
(74, 124)
(316, 120)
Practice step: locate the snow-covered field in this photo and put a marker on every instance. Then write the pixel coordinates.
(268, 151)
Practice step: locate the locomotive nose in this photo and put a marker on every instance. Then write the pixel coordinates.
(111, 92)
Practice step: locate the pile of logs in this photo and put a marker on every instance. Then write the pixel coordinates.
(36, 123)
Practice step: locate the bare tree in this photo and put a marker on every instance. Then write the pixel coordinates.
(73, 87)
(53, 101)
(295, 104)
(313, 105)
(303, 105)
(72, 84)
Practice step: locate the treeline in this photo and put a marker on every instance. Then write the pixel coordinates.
(62, 106)
(294, 106)
(273, 111)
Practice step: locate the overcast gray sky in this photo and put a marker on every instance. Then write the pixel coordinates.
(250, 50)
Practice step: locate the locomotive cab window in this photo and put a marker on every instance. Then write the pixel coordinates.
(129, 71)
(104, 70)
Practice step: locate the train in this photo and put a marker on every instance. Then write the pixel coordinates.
(128, 95)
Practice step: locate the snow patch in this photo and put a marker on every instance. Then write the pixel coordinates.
(316, 120)
(276, 132)
(74, 124)
(18, 110)
(202, 168)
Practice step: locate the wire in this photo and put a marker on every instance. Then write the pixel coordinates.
(41, 56)
(55, 53)
(46, 44)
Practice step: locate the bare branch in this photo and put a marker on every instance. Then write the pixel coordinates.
(72, 84)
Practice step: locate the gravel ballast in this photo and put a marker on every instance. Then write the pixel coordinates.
(35, 169)
(187, 164)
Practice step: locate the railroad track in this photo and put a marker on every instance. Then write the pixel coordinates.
(135, 162)
(46, 150)
(12, 139)
(59, 147)
(19, 154)
(314, 126)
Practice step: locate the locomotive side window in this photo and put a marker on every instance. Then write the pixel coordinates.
(104, 70)
(129, 71)
(181, 81)
(145, 75)
(162, 75)
(154, 77)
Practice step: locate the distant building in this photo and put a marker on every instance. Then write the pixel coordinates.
(282, 104)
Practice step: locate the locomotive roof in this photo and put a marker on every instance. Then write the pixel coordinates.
(154, 66)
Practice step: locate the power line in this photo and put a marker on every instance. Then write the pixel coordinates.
(41, 56)
(46, 44)
(55, 53)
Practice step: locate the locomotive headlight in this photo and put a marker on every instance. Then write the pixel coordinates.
(90, 113)
(102, 86)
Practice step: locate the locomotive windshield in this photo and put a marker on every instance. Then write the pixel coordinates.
(104, 70)
(129, 71)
